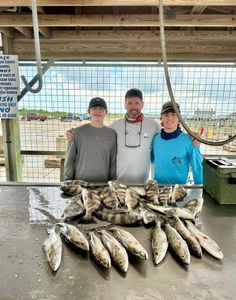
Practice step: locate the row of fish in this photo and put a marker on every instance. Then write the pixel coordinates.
(182, 238)
(109, 246)
(116, 195)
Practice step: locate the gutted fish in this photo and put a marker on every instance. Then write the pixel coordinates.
(182, 213)
(205, 241)
(177, 243)
(98, 251)
(118, 217)
(188, 237)
(159, 243)
(74, 208)
(195, 205)
(53, 249)
(130, 243)
(74, 236)
(116, 250)
(178, 193)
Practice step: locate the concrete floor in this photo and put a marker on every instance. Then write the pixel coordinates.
(25, 212)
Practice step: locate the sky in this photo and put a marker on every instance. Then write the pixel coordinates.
(69, 87)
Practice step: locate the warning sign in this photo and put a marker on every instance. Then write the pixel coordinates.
(9, 86)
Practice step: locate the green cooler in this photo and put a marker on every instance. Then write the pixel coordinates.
(219, 177)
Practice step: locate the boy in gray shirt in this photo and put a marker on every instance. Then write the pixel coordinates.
(91, 155)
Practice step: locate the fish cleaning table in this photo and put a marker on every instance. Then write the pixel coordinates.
(25, 212)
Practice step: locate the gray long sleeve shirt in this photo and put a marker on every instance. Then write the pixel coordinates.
(91, 156)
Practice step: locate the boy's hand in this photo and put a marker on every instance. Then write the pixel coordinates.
(70, 134)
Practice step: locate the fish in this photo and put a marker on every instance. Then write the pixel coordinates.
(147, 214)
(109, 198)
(182, 213)
(177, 243)
(165, 195)
(74, 236)
(159, 243)
(52, 247)
(138, 189)
(116, 251)
(70, 189)
(188, 237)
(152, 191)
(98, 251)
(195, 205)
(178, 193)
(118, 217)
(205, 241)
(131, 198)
(91, 201)
(119, 188)
(74, 208)
(129, 242)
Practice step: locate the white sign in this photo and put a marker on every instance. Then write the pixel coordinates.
(9, 86)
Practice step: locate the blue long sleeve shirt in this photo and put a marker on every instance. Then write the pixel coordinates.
(172, 159)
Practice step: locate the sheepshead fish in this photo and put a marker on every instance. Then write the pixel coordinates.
(205, 241)
(71, 189)
(195, 205)
(53, 249)
(109, 198)
(129, 242)
(138, 189)
(91, 201)
(152, 191)
(74, 236)
(147, 214)
(178, 193)
(182, 213)
(116, 250)
(119, 188)
(165, 195)
(177, 243)
(131, 198)
(98, 251)
(118, 217)
(74, 208)
(159, 243)
(188, 237)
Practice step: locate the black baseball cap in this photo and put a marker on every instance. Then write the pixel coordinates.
(94, 102)
(168, 107)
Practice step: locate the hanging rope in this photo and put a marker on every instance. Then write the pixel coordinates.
(168, 82)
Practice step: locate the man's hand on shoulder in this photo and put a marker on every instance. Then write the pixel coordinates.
(70, 134)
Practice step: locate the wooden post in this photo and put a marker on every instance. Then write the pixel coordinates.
(11, 137)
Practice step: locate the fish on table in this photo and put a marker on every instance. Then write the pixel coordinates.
(52, 247)
(159, 243)
(98, 251)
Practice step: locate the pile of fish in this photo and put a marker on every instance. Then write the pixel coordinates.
(150, 205)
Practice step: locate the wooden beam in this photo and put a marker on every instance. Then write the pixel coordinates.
(118, 2)
(46, 32)
(143, 35)
(25, 31)
(25, 20)
(7, 31)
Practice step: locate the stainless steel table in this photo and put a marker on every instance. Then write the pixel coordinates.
(25, 212)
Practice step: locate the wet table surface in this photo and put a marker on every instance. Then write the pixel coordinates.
(25, 213)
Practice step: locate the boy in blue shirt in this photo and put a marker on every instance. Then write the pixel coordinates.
(173, 152)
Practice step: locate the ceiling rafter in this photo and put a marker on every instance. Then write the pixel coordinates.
(209, 20)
